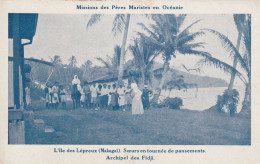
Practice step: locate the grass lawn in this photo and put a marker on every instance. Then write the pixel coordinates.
(155, 127)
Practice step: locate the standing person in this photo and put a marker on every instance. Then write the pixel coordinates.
(114, 98)
(109, 94)
(145, 97)
(128, 97)
(55, 98)
(76, 80)
(121, 98)
(63, 97)
(28, 95)
(75, 95)
(93, 90)
(137, 106)
(50, 96)
(59, 94)
(99, 97)
(104, 94)
(82, 97)
(47, 94)
(87, 92)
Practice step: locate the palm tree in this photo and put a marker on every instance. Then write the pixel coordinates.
(87, 68)
(244, 60)
(112, 63)
(72, 61)
(121, 21)
(238, 19)
(56, 59)
(144, 55)
(167, 36)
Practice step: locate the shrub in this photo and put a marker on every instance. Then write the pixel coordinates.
(173, 103)
(228, 100)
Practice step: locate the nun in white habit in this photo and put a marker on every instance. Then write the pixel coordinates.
(137, 105)
(76, 80)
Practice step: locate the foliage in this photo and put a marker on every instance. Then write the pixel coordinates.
(172, 103)
(229, 100)
(168, 38)
(121, 21)
(112, 63)
(144, 55)
(243, 24)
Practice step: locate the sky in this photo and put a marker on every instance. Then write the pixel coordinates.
(66, 35)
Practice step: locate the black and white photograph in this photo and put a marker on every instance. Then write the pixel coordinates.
(129, 79)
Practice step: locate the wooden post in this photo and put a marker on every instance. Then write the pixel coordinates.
(16, 61)
(23, 73)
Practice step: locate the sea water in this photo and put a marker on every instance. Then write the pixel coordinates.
(202, 98)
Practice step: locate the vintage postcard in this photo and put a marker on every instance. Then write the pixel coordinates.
(142, 81)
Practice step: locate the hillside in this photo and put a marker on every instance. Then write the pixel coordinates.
(202, 81)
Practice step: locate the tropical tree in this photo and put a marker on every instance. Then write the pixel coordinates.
(243, 22)
(112, 63)
(72, 61)
(56, 59)
(87, 68)
(144, 55)
(167, 35)
(120, 23)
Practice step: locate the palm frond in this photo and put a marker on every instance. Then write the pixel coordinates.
(180, 19)
(107, 65)
(93, 19)
(229, 46)
(189, 37)
(211, 61)
(148, 30)
(118, 23)
(186, 30)
(185, 47)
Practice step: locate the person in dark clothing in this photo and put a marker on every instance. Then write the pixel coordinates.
(145, 97)
(87, 92)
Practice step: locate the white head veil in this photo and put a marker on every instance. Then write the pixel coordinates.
(75, 80)
(136, 90)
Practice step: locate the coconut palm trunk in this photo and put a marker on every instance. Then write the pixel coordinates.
(233, 75)
(122, 55)
(165, 70)
(143, 76)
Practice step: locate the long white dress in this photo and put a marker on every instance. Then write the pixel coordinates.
(137, 105)
(27, 96)
(121, 98)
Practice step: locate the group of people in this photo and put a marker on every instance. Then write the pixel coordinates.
(110, 97)
(100, 96)
(55, 95)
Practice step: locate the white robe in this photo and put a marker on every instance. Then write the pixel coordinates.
(137, 105)
(121, 98)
